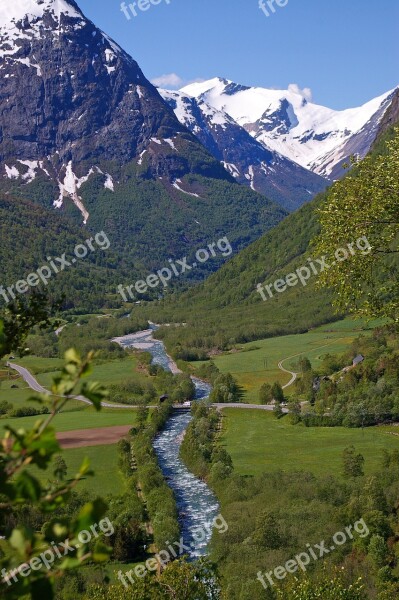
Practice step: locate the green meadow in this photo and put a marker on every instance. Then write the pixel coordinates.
(104, 462)
(85, 418)
(258, 442)
(37, 364)
(106, 373)
(256, 363)
(44, 369)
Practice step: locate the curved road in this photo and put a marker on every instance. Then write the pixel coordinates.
(295, 375)
(35, 385)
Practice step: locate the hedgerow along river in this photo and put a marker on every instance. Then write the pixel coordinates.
(196, 503)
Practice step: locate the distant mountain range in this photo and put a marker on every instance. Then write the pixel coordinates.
(247, 160)
(85, 135)
(287, 122)
(82, 131)
(227, 308)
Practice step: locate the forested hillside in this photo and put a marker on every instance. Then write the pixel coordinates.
(228, 308)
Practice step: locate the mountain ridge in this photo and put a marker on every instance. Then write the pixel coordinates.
(83, 133)
(247, 160)
(228, 307)
(92, 104)
(287, 121)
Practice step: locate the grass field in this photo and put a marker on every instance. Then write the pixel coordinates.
(75, 416)
(85, 418)
(257, 362)
(106, 373)
(37, 364)
(104, 463)
(258, 442)
(17, 396)
(45, 369)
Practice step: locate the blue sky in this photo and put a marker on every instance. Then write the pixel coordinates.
(346, 51)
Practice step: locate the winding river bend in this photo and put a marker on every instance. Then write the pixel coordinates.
(196, 503)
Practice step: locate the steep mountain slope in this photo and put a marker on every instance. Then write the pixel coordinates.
(286, 121)
(247, 160)
(228, 308)
(34, 235)
(388, 123)
(82, 129)
(72, 97)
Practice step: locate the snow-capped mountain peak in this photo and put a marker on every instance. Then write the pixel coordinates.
(247, 161)
(24, 19)
(288, 122)
(73, 100)
(17, 10)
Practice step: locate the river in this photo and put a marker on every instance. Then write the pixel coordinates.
(197, 504)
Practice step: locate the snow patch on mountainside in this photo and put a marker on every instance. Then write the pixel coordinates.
(284, 121)
(13, 11)
(177, 186)
(21, 19)
(109, 183)
(170, 142)
(243, 157)
(11, 172)
(28, 174)
(232, 169)
(69, 187)
(32, 165)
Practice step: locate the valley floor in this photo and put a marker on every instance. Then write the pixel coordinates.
(258, 442)
(258, 362)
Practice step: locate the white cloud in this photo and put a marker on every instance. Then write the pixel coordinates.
(170, 80)
(305, 92)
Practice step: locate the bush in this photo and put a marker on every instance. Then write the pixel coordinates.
(5, 407)
(29, 411)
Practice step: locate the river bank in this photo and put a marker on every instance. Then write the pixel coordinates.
(196, 503)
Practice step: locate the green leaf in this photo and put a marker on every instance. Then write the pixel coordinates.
(70, 563)
(87, 369)
(71, 356)
(56, 530)
(90, 514)
(94, 392)
(27, 487)
(85, 467)
(44, 447)
(21, 539)
(101, 552)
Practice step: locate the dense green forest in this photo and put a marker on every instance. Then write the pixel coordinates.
(340, 393)
(29, 235)
(227, 308)
(276, 516)
(130, 217)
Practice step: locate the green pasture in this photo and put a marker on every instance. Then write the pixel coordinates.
(85, 418)
(104, 462)
(107, 372)
(256, 363)
(259, 442)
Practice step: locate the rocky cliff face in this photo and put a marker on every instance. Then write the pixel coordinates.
(288, 122)
(72, 100)
(391, 117)
(82, 131)
(248, 161)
